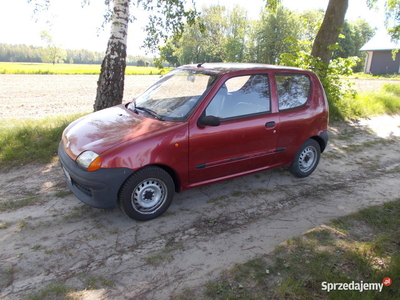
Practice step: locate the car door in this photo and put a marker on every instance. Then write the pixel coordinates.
(246, 137)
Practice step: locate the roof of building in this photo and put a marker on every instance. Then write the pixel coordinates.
(380, 41)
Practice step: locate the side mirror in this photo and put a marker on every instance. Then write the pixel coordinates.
(208, 121)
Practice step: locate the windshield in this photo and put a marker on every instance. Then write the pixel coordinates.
(174, 96)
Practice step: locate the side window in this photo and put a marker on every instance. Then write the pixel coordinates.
(241, 96)
(293, 90)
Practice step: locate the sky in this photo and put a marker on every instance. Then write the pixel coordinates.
(74, 27)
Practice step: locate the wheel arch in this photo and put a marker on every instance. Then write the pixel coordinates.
(173, 175)
(167, 169)
(322, 140)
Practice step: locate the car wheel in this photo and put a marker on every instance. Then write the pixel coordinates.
(147, 194)
(306, 159)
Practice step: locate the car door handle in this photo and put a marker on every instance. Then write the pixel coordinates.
(270, 124)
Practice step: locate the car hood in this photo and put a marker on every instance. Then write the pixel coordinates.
(107, 128)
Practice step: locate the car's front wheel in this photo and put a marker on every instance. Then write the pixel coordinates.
(306, 159)
(147, 194)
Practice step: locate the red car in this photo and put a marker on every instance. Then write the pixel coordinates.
(197, 125)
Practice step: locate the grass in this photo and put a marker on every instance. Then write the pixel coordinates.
(54, 291)
(362, 147)
(377, 76)
(360, 248)
(27, 141)
(61, 291)
(70, 69)
(367, 104)
(9, 205)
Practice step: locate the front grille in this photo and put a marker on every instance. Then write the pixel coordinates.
(87, 191)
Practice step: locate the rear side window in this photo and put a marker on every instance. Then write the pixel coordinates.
(293, 90)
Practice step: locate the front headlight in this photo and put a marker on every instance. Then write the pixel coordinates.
(89, 161)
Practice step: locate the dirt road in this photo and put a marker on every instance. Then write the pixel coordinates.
(54, 238)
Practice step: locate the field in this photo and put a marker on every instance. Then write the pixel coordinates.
(38, 96)
(69, 69)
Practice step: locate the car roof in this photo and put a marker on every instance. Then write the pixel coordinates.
(223, 68)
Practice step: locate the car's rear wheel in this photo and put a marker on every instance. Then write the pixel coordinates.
(306, 159)
(147, 194)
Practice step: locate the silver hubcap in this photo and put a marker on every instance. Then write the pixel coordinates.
(149, 195)
(307, 159)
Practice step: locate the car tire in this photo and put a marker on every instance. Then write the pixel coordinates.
(146, 194)
(306, 159)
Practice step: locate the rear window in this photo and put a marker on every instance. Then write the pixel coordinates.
(293, 90)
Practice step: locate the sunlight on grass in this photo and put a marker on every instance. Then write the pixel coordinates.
(26, 141)
(368, 104)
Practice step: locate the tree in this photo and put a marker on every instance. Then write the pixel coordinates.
(170, 53)
(235, 43)
(110, 86)
(333, 21)
(269, 35)
(330, 29)
(169, 15)
(219, 36)
(312, 20)
(392, 11)
(352, 38)
(53, 52)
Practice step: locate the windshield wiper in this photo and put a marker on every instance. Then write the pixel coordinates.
(149, 111)
(134, 106)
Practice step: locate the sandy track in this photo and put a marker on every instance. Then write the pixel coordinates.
(104, 255)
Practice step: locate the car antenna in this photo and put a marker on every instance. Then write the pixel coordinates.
(201, 64)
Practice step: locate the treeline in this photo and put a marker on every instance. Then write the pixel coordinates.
(230, 36)
(223, 35)
(32, 54)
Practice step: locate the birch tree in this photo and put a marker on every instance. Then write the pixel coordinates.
(167, 16)
(110, 86)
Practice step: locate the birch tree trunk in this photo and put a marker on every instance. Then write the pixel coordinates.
(330, 29)
(110, 86)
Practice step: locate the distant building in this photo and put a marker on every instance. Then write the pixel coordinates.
(379, 58)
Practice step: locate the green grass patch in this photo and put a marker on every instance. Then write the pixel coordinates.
(54, 291)
(8, 205)
(378, 76)
(367, 144)
(71, 69)
(355, 249)
(367, 104)
(27, 141)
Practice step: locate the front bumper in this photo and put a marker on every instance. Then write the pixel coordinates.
(99, 188)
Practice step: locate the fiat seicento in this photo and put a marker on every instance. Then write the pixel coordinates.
(198, 124)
